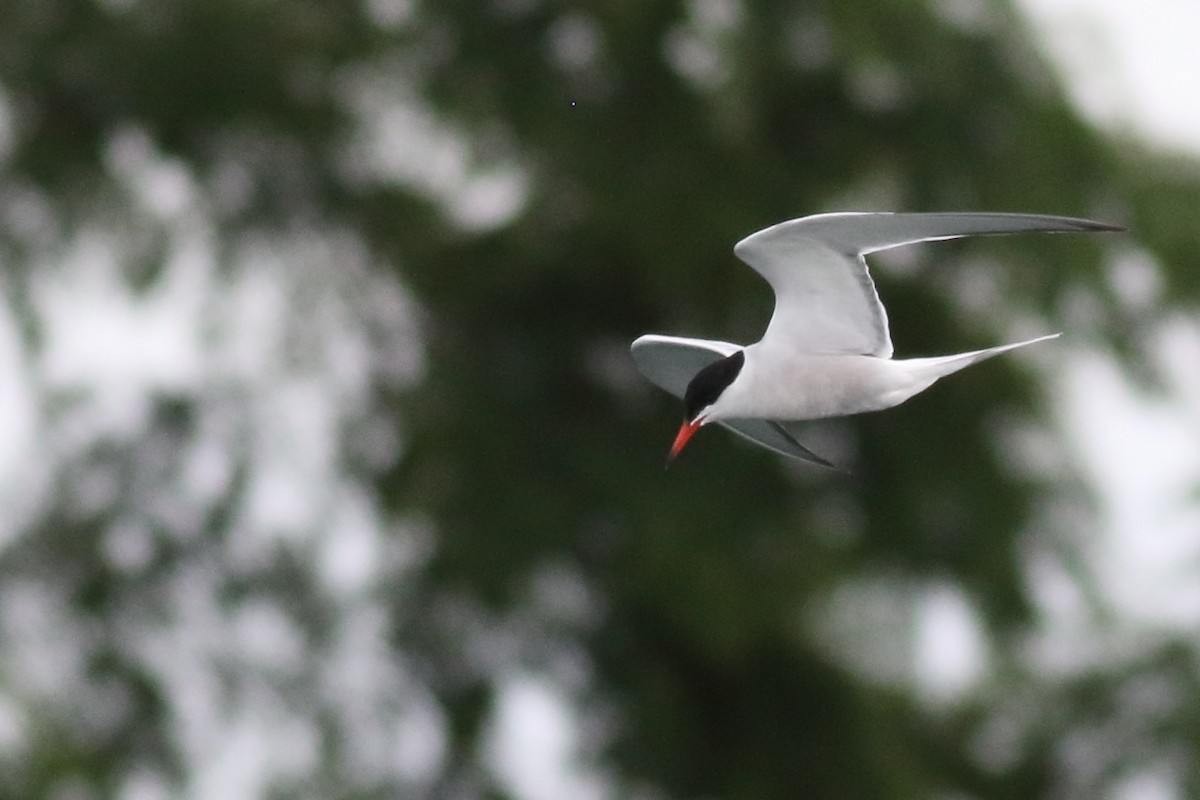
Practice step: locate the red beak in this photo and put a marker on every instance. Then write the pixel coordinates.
(685, 432)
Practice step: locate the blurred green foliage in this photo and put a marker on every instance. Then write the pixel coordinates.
(650, 137)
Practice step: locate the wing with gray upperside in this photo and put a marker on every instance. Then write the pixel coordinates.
(825, 300)
(670, 362)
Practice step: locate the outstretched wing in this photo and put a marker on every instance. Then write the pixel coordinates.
(825, 300)
(670, 362)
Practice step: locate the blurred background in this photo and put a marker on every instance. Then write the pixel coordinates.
(325, 473)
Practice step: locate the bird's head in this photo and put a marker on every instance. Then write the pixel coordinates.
(703, 392)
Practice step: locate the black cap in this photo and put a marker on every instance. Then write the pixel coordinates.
(709, 383)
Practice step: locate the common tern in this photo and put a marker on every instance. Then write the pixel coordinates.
(826, 351)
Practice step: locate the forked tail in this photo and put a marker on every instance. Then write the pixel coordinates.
(929, 370)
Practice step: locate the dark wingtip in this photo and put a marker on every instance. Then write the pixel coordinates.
(1091, 225)
(810, 457)
(1106, 227)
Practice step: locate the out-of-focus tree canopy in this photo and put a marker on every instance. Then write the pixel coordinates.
(368, 452)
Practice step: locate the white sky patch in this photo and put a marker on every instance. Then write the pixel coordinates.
(18, 419)
(895, 632)
(388, 724)
(1128, 65)
(295, 450)
(1144, 459)
(1158, 782)
(144, 785)
(402, 141)
(950, 652)
(351, 550)
(160, 186)
(107, 338)
(236, 769)
(532, 745)
(866, 625)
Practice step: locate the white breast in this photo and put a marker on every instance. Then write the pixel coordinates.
(799, 386)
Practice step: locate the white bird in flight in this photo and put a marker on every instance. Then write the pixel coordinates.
(826, 351)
